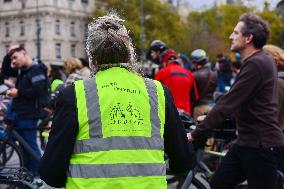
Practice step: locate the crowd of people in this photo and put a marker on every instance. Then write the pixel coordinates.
(112, 126)
(31, 86)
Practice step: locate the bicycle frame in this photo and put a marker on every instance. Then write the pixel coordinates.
(188, 180)
(13, 135)
(25, 145)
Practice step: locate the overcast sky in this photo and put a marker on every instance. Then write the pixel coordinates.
(197, 4)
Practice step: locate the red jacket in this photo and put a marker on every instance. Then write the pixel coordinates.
(181, 83)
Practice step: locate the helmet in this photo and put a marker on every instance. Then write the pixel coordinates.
(168, 56)
(199, 56)
(158, 45)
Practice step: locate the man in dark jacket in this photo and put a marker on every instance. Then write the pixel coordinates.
(206, 82)
(223, 66)
(253, 100)
(26, 105)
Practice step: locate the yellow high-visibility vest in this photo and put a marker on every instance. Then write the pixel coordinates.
(120, 140)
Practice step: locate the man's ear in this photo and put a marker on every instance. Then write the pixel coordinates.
(249, 38)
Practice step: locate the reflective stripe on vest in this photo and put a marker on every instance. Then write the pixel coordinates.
(121, 126)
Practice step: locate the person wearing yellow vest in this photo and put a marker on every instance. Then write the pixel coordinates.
(111, 131)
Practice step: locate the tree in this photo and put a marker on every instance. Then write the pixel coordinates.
(209, 30)
(276, 24)
(213, 27)
(161, 20)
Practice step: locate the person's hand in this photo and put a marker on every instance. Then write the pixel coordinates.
(9, 83)
(189, 137)
(13, 93)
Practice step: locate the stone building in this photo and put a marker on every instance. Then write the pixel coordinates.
(62, 24)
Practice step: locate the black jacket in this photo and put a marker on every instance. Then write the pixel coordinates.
(55, 161)
(31, 84)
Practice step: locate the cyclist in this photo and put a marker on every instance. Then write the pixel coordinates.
(206, 82)
(223, 66)
(26, 104)
(156, 50)
(179, 80)
(111, 131)
(253, 100)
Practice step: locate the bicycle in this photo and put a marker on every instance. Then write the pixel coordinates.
(223, 143)
(12, 174)
(10, 140)
(11, 144)
(184, 181)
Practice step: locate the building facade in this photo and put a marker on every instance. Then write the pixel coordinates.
(54, 28)
(280, 7)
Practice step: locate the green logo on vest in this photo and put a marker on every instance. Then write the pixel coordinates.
(120, 115)
(124, 104)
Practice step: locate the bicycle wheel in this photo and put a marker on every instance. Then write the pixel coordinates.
(10, 154)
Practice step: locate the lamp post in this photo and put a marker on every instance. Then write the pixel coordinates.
(38, 31)
(142, 35)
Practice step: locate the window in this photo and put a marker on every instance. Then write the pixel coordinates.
(7, 29)
(72, 29)
(57, 27)
(22, 44)
(73, 50)
(23, 4)
(85, 1)
(22, 28)
(70, 3)
(55, 3)
(58, 51)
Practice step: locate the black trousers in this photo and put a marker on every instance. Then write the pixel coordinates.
(256, 165)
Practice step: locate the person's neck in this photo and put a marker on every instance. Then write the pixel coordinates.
(248, 52)
(28, 63)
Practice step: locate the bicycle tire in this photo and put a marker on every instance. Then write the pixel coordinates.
(12, 158)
